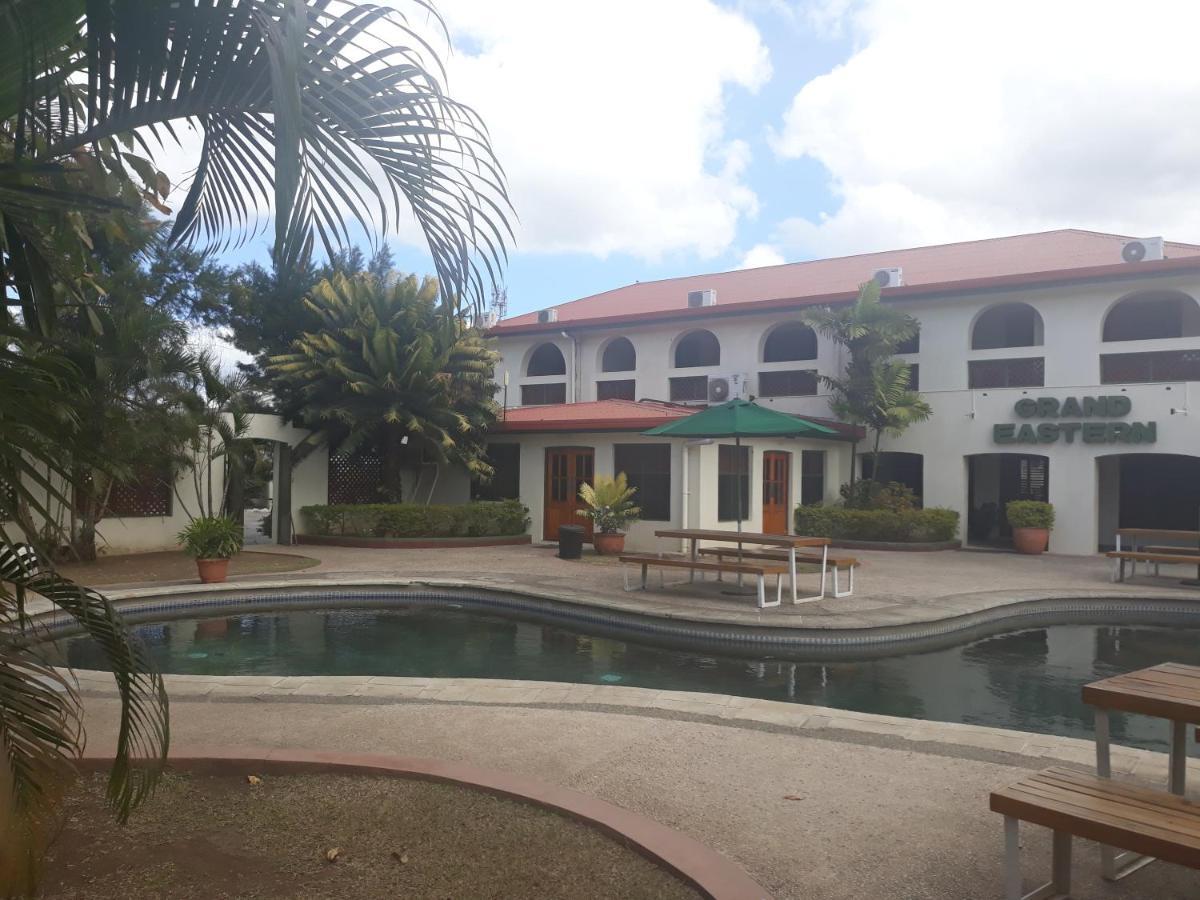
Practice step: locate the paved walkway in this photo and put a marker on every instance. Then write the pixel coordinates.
(811, 812)
(891, 588)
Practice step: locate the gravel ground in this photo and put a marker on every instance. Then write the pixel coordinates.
(222, 837)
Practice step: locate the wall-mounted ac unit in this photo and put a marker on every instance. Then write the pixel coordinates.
(696, 299)
(727, 387)
(547, 315)
(1143, 249)
(893, 277)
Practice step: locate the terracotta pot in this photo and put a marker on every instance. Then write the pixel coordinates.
(212, 571)
(609, 544)
(1031, 540)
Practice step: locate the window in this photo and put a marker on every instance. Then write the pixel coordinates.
(506, 482)
(689, 389)
(1162, 365)
(616, 390)
(700, 348)
(1153, 315)
(790, 383)
(789, 342)
(732, 468)
(618, 356)
(914, 377)
(148, 496)
(1009, 325)
(812, 477)
(1001, 373)
(912, 345)
(906, 468)
(543, 394)
(648, 468)
(547, 359)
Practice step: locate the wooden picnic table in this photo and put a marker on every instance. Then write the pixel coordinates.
(1138, 537)
(1168, 691)
(788, 541)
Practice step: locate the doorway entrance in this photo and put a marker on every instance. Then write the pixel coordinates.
(567, 468)
(1147, 490)
(777, 491)
(993, 479)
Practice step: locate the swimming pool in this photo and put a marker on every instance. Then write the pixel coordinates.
(1027, 679)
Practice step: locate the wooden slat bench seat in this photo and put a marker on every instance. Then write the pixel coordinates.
(833, 563)
(1117, 814)
(760, 570)
(1120, 557)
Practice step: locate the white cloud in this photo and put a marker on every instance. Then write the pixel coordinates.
(762, 255)
(958, 120)
(610, 123)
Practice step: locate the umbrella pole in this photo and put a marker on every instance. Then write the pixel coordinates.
(737, 489)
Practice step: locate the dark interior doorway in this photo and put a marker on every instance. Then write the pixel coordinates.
(993, 479)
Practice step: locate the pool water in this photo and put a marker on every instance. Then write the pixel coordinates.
(1028, 680)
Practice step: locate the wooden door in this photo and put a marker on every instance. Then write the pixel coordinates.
(777, 491)
(566, 469)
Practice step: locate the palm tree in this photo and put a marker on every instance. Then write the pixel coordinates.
(873, 389)
(389, 370)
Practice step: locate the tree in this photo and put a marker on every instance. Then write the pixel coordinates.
(389, 370)
(872, 390)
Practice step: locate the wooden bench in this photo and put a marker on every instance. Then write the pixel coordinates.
(833, 563)
(1143, 821)
(1120, 557)
(759, 570)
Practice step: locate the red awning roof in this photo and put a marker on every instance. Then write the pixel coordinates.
(1068, 254)
(614, 415)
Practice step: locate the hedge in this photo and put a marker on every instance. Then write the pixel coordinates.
(404, 520)
(906, 526)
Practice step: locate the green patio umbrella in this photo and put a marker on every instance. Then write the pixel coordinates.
(738, 419)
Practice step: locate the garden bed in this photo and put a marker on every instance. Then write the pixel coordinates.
(415, 543)
(217, 836)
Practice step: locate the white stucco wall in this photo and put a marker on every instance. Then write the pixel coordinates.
(1072, 318)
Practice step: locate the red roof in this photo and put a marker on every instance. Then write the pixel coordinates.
(596, 415)
(1067, 254)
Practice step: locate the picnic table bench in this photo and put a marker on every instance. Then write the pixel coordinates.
(760, 570)
(833, 563)
(1132, 548)
(1143, 821)
(1157, 555)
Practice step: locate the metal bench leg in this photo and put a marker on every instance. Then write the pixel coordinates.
(644, 567)
(1061, 865)
(1012, 859)
(762, 592)
(1058, 888)
(837, 590)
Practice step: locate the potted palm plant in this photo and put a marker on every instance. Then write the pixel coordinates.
(1031, 522)
(610, 507)
(213, 541)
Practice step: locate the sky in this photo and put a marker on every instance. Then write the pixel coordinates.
(644, 139)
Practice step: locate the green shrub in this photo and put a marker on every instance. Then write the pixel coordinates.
(212, 537)
(868, 494)
(1029, 514)
(908, 526)
(410, 520)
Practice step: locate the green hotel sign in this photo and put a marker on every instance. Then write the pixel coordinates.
(1062, 412)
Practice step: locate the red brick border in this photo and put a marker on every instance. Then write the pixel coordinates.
(334, 540)
(708, 871)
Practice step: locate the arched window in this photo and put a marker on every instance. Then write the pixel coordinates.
(619, 356)
(699, 348)
(1153, 315)
(790, 341)
(547, 359)
(1007, 325)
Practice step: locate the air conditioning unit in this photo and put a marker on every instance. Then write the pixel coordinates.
(489, 319)
(696, 299)
(1143, 249)
(893, 277)
(547, 315)
(727, 387)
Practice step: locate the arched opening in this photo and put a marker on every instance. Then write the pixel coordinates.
(547, 359)
(618, 356)
(993, 479)
(697, 348)
(1152, 315)
(1007, 325)
(907, 469)
(1147, 490)
(789, 342)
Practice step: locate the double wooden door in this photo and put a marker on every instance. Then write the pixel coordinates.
(777, 492)
(567, 468)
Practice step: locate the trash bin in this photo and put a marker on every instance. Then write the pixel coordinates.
(570, 541)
